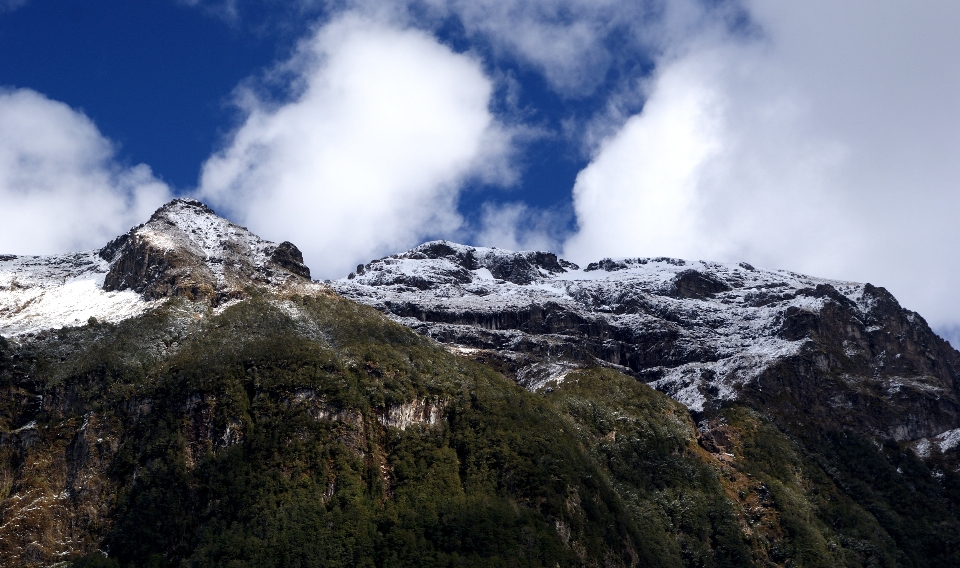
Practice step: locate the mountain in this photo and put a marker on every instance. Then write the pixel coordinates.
(705, 333)
(184, 250)
(188, 396)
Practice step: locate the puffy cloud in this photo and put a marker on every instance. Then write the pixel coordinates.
(369, 154)
(640, 192)
(61, 188)
(829, 145)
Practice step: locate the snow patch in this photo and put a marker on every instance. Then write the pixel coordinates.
(484, 274)
(38, 293)
(944, 441)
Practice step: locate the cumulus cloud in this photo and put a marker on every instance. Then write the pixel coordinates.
(61, 188)
(829, 146)
(641, 189)
(368, 156)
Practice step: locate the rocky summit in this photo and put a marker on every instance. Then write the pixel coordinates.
(183, 250)
(186, 395)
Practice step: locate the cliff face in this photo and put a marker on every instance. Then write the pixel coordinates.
(184, 250)
(870, 366)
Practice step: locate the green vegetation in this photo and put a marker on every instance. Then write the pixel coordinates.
(646, 444)
(270, 435)
(916, 503)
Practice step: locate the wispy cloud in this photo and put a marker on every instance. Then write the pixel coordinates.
(516, 226)
(227, 10)
(11, 5)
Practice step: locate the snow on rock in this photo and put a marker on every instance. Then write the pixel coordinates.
(49, 292)
(184, 250)
(696, 330)
(945, 441)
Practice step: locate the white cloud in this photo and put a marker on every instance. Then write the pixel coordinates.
(641, 190)
(573, 43)
(516, 226)
(827, 143)
(829, 147)
(369, 155)
(60, 187)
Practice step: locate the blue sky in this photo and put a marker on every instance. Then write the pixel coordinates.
(156, 77)
(819, 138)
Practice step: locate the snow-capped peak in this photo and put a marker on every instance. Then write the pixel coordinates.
(184, 249)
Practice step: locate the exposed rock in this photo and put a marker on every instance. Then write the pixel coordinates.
(837, 353)
(696, 284)
(459, 261)
(186, 250)
(417, 411)
(289, 257)
(57, 493)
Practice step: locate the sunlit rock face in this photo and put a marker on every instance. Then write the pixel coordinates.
(703, 332)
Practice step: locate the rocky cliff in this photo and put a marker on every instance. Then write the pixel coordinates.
(183, 250)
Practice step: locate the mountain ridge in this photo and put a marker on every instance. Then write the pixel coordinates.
(184, 249)
(705, 333)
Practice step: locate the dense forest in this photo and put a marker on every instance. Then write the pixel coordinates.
(312, 431)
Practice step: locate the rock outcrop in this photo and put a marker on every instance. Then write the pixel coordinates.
(185, 250)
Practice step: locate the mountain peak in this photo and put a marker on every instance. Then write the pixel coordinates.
(184, 204)
(184, 250)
